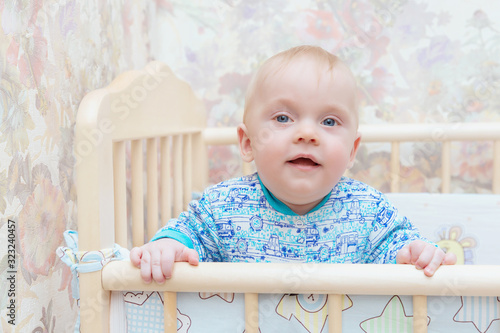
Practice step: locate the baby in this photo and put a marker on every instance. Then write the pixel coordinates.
(300, 127)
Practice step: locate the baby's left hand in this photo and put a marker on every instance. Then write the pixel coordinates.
(424, 256)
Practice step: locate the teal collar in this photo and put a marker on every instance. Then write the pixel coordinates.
(278, 205)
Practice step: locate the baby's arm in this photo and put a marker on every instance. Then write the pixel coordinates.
(424, 256)
(156, 259)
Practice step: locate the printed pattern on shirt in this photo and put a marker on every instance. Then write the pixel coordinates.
(234, 222)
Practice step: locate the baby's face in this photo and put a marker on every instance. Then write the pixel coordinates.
(302, 130)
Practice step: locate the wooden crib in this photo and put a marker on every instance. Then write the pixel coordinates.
(148, 127)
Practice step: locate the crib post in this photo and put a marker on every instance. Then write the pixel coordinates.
(247, 168)
(170, 312)
(152, 188)
(334, 313)
(446, 167)
(395, 167)
(496, 167)
(200, 163)
(251, 313)
(137, 185)
(94, 174)
(419, 314)
(120, 190)
(94, 304)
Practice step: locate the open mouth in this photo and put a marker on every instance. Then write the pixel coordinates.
(303, 161)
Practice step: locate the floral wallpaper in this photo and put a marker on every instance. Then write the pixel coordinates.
(51, 54)
(415, 61)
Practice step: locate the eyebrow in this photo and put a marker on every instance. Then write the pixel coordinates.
(344, 111)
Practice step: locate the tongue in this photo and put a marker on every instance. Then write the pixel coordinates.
(303, 161)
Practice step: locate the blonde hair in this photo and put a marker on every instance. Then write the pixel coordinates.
(283, 59)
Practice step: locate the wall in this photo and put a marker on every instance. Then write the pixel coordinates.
(416, 61)
(51, 54)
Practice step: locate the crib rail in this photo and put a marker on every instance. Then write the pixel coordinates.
(399, 133)
(314, 278)
(437, 132)
(333, 280)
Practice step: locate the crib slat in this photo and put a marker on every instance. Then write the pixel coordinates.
(446, 167)
(419, 314)
(496, 167)
(170, 312)
(120, 193)
(247, 168)
(188, 169)
(251, 313)
(200, 163)
(395, 167)
(137, 193)
(166, 184)
(334, 313)
(152, 178)
(177, 164)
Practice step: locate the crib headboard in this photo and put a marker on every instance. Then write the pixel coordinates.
(147, 127)
(148, 113)
(126, 118)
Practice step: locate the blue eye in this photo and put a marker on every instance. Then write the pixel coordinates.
(329, 122)
(282, 119)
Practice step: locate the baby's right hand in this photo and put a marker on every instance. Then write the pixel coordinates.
(157, 258)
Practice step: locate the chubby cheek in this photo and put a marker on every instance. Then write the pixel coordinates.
(339, 159)
(262, 137)
(269, 160)
(267, 143)
(261, 156)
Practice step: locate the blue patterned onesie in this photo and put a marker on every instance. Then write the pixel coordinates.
(239, 220)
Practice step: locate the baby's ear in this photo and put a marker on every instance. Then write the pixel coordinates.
(354, 150)
(245, 144)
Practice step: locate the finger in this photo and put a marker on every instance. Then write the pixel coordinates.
(193, 257)
(425, 256)
(403, 256)
(435, 262)
(450, 259)
(156, 266)
(146, 267)
(417, 249)
(188, 255)
(135, 256)
(167, 262)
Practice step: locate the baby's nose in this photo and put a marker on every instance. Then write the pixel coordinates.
(306, 133)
